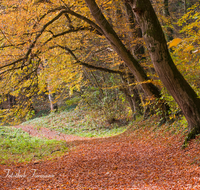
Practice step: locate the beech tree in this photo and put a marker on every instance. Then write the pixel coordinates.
(172, 79)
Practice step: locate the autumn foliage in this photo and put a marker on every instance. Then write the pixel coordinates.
(118, 61)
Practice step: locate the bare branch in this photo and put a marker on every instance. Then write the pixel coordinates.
(8, 70)
(67, 11)
(12, 45)
(6, 37)
(48, 12)
(100, 68)
(69, 51)
(69, 21)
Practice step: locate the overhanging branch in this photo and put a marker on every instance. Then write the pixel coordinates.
(32, 45)
(65, 32)
(88, 65)
(67, 10)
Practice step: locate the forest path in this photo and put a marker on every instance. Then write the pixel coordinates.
(127, 161)
(42, 132)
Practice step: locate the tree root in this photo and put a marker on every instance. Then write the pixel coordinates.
(191, 135)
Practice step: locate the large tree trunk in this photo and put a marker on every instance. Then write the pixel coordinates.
(139, 73)
(172, 79)
(126, 56)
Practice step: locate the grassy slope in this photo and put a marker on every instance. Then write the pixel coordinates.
(76, 122)
(17, 146)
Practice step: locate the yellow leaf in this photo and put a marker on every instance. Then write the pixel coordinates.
(188, 48)
(174, 42)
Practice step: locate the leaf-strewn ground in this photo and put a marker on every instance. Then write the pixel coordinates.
(128, 161)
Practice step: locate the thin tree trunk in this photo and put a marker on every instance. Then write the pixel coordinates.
(185, 6)
(97, 85)
(132, 97)
(172, 79)
(51, 96)
(166, 13)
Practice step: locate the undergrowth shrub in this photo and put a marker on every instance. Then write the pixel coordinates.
(110, 107)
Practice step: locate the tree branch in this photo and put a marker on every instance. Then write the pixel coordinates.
(41, 31)
(48, 12)
(69, 21)
(67, 10)
(34, 42)
(86, 64)
(66, 32)
(93, 24)
(13, 63)
(12, 45)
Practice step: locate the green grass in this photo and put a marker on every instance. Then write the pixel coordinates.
(77, 122)
(18, 146)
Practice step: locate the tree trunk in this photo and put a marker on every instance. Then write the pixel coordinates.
(125, 55)
(11, 101)
(53, 104)
(185, 6)
(166, 13)
(139, 73)
(172, 79)
(132, 96)
(130, 91)
(135, 32)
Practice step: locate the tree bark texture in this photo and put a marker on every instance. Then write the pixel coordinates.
(138, 50)
(172, 79)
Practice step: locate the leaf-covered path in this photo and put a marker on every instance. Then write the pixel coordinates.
(122, 162)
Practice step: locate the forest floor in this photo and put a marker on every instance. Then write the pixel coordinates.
(136, 159)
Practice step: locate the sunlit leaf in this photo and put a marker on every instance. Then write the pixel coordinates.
(174, 42)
